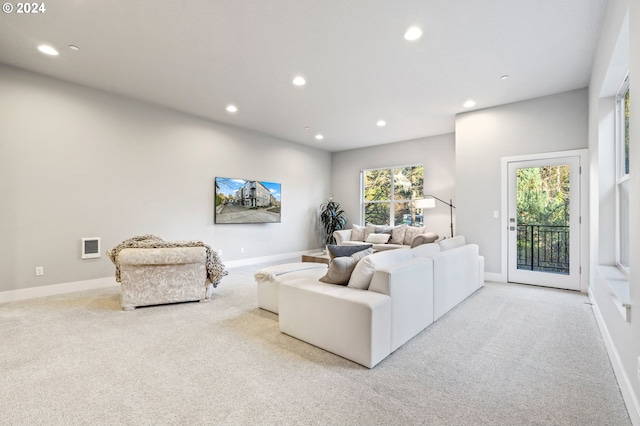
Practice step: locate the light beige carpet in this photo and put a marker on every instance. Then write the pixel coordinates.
(509, 355)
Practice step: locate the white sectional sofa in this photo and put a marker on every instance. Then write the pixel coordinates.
(391, 296)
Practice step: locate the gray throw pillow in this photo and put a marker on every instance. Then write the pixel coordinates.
(340, 251)
(340, 268)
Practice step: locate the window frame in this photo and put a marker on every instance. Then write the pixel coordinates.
(621, 175)
(392, 201)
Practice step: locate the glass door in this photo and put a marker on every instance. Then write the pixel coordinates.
(544, 222)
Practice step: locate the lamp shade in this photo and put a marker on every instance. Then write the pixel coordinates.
(425, 203)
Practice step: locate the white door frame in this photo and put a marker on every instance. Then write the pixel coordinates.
(584, 209)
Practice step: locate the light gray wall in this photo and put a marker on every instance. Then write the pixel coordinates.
(435, 153)
(484, 137)
(76, 163)
(633, 357)
(607, 75)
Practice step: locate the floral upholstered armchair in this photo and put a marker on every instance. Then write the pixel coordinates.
(152, 271)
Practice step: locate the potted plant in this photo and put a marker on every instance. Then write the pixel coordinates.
(333, 219)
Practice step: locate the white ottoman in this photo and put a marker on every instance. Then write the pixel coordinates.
(268, 280)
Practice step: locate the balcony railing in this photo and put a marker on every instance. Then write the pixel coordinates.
(543, 248)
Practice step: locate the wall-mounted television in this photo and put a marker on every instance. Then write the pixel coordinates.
(246, 201)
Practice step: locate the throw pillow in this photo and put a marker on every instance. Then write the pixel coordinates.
(357, 233)
(378, 238)
(398, 233)
(364, 270)
(368, 230)
(341, 251)
(412, 231)
(340, 268)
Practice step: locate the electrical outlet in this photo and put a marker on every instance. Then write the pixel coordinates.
(219, 252)
(496, 214)
(241, 249)
(39, 271)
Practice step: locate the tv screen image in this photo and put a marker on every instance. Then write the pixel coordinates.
(246, 201)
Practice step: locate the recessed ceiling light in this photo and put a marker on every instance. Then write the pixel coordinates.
(74, 47)
(470, 103)
(413, 34)
(232, 108)
(319, 137)
(381, 123)
(48, 50)
(299, 81)
(504, 77)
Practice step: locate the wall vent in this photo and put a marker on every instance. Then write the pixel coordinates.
(90, 248)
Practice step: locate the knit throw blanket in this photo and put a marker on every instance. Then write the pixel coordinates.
(215, 267)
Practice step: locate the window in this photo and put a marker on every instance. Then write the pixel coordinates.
(622, 174)
(388, 195)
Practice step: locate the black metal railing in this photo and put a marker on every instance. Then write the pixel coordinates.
(543, 248)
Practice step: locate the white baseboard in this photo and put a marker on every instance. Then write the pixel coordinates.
(263, 259)
(630, 398)
(495, 277)
(52, 290)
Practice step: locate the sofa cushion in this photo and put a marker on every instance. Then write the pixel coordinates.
(398, 233)
(357, 233)
(363, 272)
(340, 268)
(453, 242)
(340, 251)
(426, 250)
(378, 238)
(426, 238)
(412, 231)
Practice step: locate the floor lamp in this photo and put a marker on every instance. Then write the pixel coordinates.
(430, 202)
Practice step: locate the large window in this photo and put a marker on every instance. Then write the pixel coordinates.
(388, 195)
(622, 148)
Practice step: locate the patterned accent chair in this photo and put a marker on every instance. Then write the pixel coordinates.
(153, 276)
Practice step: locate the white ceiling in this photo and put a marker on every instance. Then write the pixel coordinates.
(198, 56)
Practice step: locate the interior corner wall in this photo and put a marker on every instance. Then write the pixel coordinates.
(618, 51)
(76, 162)
(435, 153)
(483, 137)
(634, 207)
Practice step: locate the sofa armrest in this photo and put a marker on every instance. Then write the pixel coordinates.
(342, 235)
(410, 287)
(425, 238)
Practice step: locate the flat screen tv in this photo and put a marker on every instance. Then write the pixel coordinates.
(246, 201)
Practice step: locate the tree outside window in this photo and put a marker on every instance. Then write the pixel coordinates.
(388, 195)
